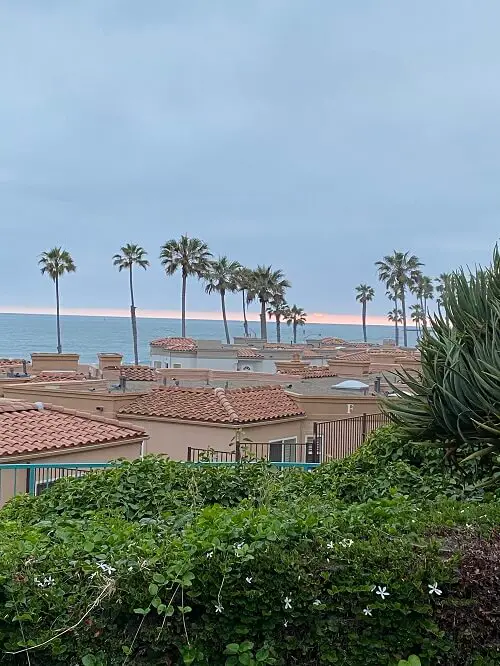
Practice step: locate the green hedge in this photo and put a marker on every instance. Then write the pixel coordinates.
(159, 562)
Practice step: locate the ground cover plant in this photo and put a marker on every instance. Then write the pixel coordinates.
(386, 557)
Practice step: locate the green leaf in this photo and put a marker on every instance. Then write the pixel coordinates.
(413, 660)
(153, 589)
(158, 578)
(142, 611)
(232, 648)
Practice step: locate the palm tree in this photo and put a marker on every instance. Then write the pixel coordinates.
(418, 316)
(278, 309)
(55, 263)
(221, 278)
(243, 281)
(131, 255)
(424, 291)
(364, 295)
(442, 283)
(265, 284)
(395, 315)
(296, 317)
(399, 271)
(189, 255)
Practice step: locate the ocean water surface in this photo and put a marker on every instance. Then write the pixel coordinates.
(21, 334)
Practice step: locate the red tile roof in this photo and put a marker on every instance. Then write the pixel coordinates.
(175, 344)
(248, 352)
(26, 429)
(139, 373)
(12, 361)
(354, 356)
(332, 341)
(50, 376)
(314, 372)
(243, 405)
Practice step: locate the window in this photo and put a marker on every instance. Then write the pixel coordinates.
(283, 450)
(177, 365)
(156, 364)
(313, 453)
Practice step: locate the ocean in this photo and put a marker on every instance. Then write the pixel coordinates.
(21, 334)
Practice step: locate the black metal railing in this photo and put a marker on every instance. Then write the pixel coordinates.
(340, 438)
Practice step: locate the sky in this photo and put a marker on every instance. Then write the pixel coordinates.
(315, 136)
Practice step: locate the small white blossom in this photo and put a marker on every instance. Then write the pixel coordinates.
(219, 607)
(346, 543)
(288, 603)
(105, 568)
(210, 554)
(249, 579)
(285, 624)
(434, 589)
(367, 611)
(330, 545)
(316, 602)
(373, 588)
(382, 592)
(48, 581)
(238, 548)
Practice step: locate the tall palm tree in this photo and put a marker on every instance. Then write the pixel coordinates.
(278, 309)
(55, 263)
(396, 316)
(265, 284)
(424, 291)
(364, 295)
(131, 255)
(393, 295)
(243, 281)
(221, 278)
(400, 271)
(418, 316)
(442, 282)
(296, 317)
(189, 255)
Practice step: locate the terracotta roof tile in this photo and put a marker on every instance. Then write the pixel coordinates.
(354, 356)
(25, 429)
(243, 405)
(248, 352)
(176, 344)
(50, 376)
(139, 373)
(314, 372)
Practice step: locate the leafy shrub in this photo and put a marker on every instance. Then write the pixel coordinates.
(365, 561)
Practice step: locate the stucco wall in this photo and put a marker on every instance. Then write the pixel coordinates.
(172, 439)
(43, 361)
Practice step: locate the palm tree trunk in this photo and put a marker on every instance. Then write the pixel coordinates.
(278, 329)
(132, 317)
(223, 306)
(263, 323)
(396, 321)
(294, 332)
(403, 309)
(425, 313)
(245, 322)
(183, 314)
(364, 320)
(58, 322)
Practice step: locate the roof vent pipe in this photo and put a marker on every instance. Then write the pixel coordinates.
(40, 406)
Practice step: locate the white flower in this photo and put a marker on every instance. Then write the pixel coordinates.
(105, 568)
(238, 548)
(367, 611)
(373, 588)
(288, 603)
(285, 623)
(316, 602)
(219, 607)
(249, 580)
(210, 554)
(382, 592)
(48, 581)
(330, 545)
(346, 543)
(434, 589)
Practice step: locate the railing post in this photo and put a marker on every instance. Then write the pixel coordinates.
(189, 455)
(363, 427)
(314, 451)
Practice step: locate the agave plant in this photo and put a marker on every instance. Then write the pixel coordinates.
(455, 398)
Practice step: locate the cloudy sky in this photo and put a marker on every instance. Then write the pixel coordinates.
(313, 135)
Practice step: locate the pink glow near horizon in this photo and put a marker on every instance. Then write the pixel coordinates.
(312, 318)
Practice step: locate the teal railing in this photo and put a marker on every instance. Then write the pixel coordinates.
(34, 478)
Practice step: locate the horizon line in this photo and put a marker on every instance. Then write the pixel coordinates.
(312, 318)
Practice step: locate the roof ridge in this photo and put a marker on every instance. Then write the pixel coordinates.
(224, 401)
